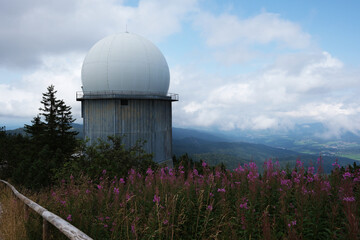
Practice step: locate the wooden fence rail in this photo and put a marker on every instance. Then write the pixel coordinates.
(48, 217)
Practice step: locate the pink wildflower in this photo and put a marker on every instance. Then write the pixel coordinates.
(221, 190)
(163, 173)
(128, 196)
(165, 222)
(242, 221)
(149, 171)
(292, 223)
(357, 179)
(244, 205)
(349, 199)
(87, 191)
(104, 172)
(251, 176)
(239, 169)
(326, 186)
(285, 182)
(116, 191)
(335, 164)
(210, 207)
(310, 179)
(252, 165)
(99, 187)
(311, 170)
(69, 219)
(71, 177)
(299, 164)
(156, 199)
(122, 180)
(204, 164)
(181, 169)
(347, 175)
(269, 165)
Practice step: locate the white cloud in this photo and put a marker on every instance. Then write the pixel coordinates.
(300, 87)
(263, 28)
(235, 92)
(235, 40)
(264, 122)
(22, 99)
(29, 31)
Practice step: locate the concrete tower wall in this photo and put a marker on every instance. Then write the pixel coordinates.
(134, 119)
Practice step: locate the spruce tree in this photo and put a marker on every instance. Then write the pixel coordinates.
(36, 131)
(66, 137)
(53, 141)
(50, 113)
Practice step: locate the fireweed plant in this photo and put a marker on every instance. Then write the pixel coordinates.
(299, 203)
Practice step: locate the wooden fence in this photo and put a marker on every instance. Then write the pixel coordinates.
(48, 217)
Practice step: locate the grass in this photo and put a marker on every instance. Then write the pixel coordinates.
(210, 203)
(355, 156)
(12, 222)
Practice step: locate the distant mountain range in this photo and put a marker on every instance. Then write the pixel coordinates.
(236, 148)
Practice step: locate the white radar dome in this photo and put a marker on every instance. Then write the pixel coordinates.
(125, 63)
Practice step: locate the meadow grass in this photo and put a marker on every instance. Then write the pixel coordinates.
(12, 222)
(210, 203)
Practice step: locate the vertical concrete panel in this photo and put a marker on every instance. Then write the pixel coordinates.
(141, 119)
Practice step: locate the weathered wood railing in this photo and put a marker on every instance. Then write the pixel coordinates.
(48, 217)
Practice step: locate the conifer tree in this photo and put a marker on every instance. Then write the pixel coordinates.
(53, 141)
(36, 130)
(50, 113)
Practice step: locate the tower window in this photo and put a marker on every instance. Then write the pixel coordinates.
(124, 102)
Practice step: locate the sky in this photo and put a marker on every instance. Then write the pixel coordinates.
(236, 65)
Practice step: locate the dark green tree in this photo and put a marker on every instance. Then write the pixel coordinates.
(14, 148)
(52, 141)
(66, 136)
(36, 131)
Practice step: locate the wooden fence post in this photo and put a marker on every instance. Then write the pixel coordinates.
(26, 212)
(45, 235)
